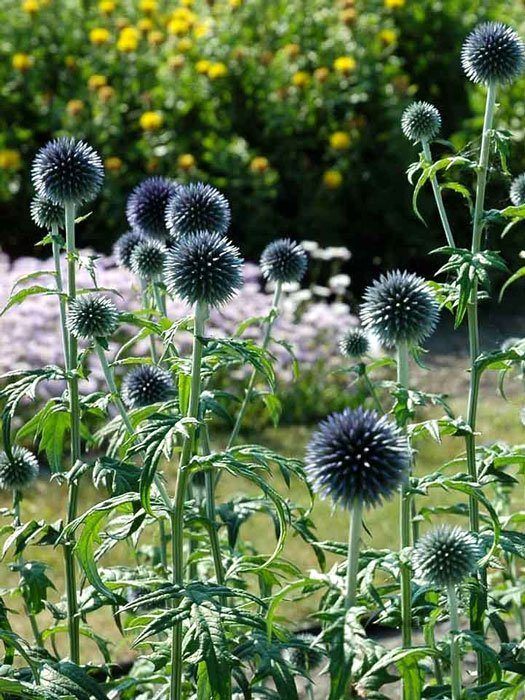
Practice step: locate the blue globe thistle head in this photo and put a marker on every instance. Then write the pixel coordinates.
(92, 316)
(46, 214)
(493, 53)
(399, 307)
(306, 655)
(197, 207)
(517, 190)
(18, 470)
(146, 206)
(148, 258)
(125, 245)
(284, 260)
(67, 171)
(354, 343)
(204, 267)
(445, 556)
(421, 121)
(145, 385)
(357, 455)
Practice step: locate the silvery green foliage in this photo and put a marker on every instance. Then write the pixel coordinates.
(67, 171)
(493, 53)
(517, 190)
(445, 556)
(146, 206)
(357, 455)
(354, 343)
(145, 385)
(421, 121)
(18, 470)
(125, 245)
(92, 316)
(47, 214)
(204, 267)
(284, 260)
(399, 307)
(197, 207)
(148, 258)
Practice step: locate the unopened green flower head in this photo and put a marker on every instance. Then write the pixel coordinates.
(47, 214)
(421, 121)
(517, 190)
(18, 470)
(493, 53)
(92, 316)
(354, 343)
(445, 556)
(148, 258)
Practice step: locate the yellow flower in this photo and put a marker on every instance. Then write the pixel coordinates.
(321, 74)
(148, 6)
(178, 27)
(349, 16)
(97, 81)
(185, 44)
(145, 25)
(176, 62)
(394, 4)
(217, 70)
(151, 121)
(74, 107)
(31, 6)
(259, 164)
(155, 38)
(202, 66)
(234, 4)
(345, 64)
(388, 36)
(184, 14)
(21, 62)
(340, 140)
(113, 164)
(10, 159)
(107, 7)
(292, 50)
(332, 179)
(99, 36)
(201, 30)
(71, 62)
(301, 79)
(186, 161)
(128, 40)
(106, 93)
(187, 3)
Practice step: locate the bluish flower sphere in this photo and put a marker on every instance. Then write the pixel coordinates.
(197, 207)
(517, 190)
(307, 656)
(204, 267)
(357, 455)
(146, 206)
(67, 171)
(421, 121)
(354, 343)
(145, 385)
(284, 260)
(399, 307)
(445, 556)
(46, 214)
(17, 472)
(493, 53)
(148, 258)
(125, 245)
(92, 316)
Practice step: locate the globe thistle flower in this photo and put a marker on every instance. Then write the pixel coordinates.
(284, 260)
(399, 307)
(146, 206)
(445, 556)
(204, 267)
(421, 121)
(197, 207)
(67, 171)
(148, 258)
(304, 657)
(517, 190)
(493, 53)
(18, 470)
(354, 343)
(92, 316)
(46, 214)
(145, 385)
(357, 455)
(125, 245)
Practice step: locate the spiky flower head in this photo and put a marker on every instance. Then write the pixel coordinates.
(445, 556)
(18, 470)
(421, 121)
(284, 260)
(67, 171)
(204, 267)
(125, 245)
(357, 455)
(46, 214)
(145, 385)
(197, 207)
(399, 307)
(148, 258)
(493, 53)
(354, 343)
(306, 655)
(92, 316)
(146, 206)
(517, 190)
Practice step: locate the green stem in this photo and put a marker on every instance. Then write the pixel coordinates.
(177, 517)
(439, 199)
(354, 534)
(249, 389)
(209, 480)
(60, 290)
(145, 302)
(372, 391)
(455, 661)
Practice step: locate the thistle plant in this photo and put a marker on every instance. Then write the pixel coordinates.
(146, 206)
(355, 345)
(125, 245)
(197, 207)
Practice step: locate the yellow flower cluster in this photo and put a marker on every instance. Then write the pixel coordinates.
(186, 161)
(99, 36)
(301, 79)
(259, 165)
(332, 179)
(128, 39)
(345, 65)
(113, 164)
(340, 141)
(151, 121)
(21, 62)
(10, 159)
(31, 7)
(107, 7)
(394, 4)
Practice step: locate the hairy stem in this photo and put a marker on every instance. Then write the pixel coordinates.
(439, 199)
(354, 534)
(455, 661)
(60, 289)
(209, 478)
(372, 392)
